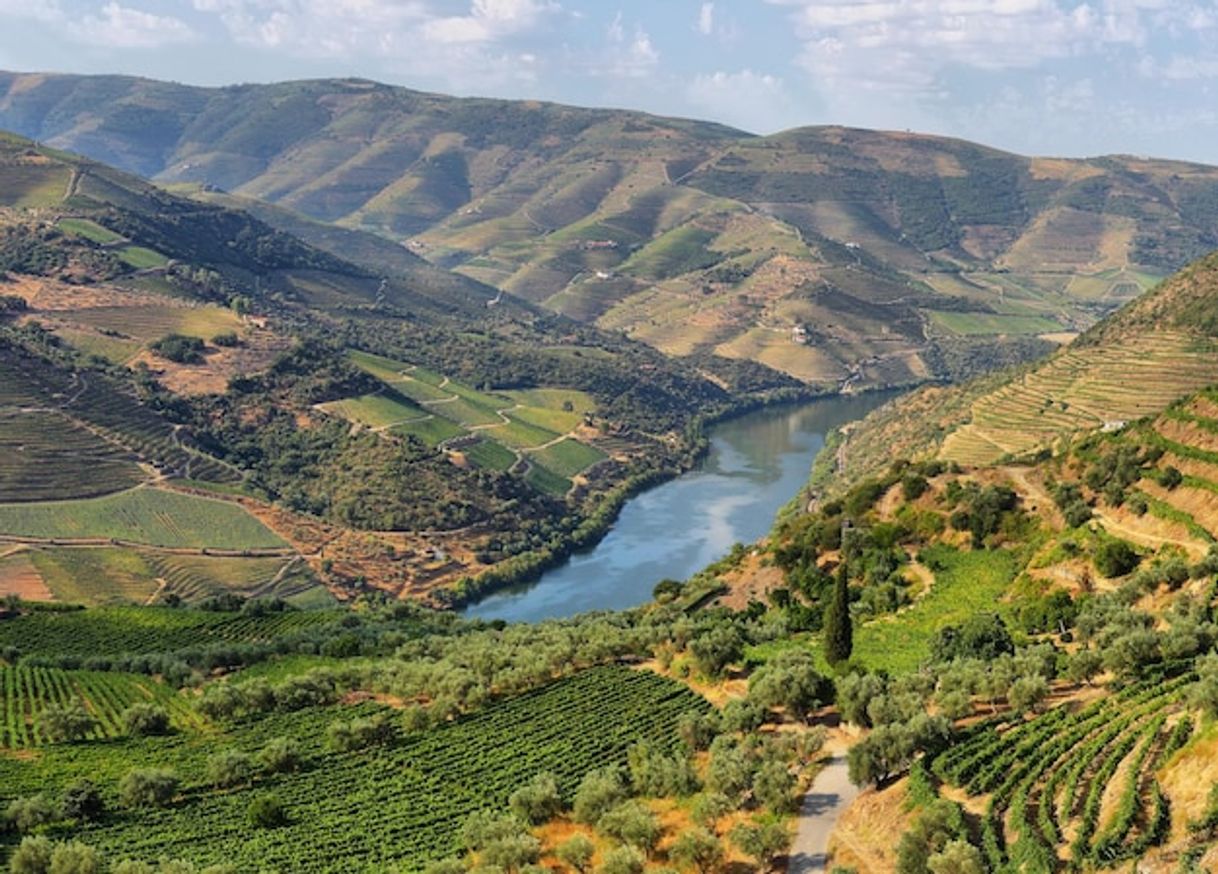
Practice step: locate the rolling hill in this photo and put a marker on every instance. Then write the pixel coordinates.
(196, 403)
(841, 257)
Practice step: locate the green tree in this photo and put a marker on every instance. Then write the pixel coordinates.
(280, 756)
(229, 769)
(622, 860)
(774, 787)
(632, 822)
(576, 852)
(148, 787)
(698, 849)
(266, 811)
(74, 858)
(27, 814)
(764, 841)
(32, 856)
(82, 801)
(537, 801)
(839, 633)
(66, 723)
(145, 720)
(956, 857)
(597, 793)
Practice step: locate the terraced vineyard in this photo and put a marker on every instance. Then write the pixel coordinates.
(25, 692)
(1048, 779)
(403, 805)
(44, 457)
(136, 630)
(1082, 388)
(142, 516)
(491, 430)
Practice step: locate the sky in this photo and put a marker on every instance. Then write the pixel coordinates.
(1045, 77)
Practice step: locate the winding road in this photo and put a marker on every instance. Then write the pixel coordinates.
(830, 795)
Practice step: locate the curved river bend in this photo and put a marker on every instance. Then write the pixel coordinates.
(755, 465)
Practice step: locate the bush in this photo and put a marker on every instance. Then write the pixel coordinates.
(1115, 558)
(266, 811)
(82, 801)
(66, 723)
(230, 768)
(145, 720)
(360, 734)
(576, 852)
(598, 792)
(151, 787)
(179, 349)
(33, 856)
(27, 814)
(279, 756)
(538, 801)
(74, 858)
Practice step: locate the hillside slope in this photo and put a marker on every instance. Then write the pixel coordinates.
(196, 402)
(1132, 365)
(841, 257)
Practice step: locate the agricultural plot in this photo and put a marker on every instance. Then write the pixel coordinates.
(89, 230)
(25, 692)
(1074, 789)
(426, 405)
(402, 806)
(96, 576)
(140, 630)
(965, 583)
(490, 455)
(44, 456)
(377, 410)
(1081, 389)
(567, 457)
(141, 258)
(30, 184)
(990, 323)
(147, 516)
(105, 409)
(151, 322)
(195, 578)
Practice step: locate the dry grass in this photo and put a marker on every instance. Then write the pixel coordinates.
(865, 836)
(19, 577)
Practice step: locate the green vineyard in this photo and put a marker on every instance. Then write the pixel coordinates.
(25, 692)
(400, 806)
(1046, 779)
(136, 630)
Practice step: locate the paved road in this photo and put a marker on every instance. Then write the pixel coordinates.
(830, 795)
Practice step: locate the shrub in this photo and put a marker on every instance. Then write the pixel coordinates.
(598, 792)
(266, 811)
(27, 814)
(179, 349)
(538, 801)
(74, 858)
(83, 802)
(576, 852)
(33, 856)
(66, 723)
(230, 768)
(145, 720)
(151, 787)
(360, 734)
(279, 756)
(1115, 558)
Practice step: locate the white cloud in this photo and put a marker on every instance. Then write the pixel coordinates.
(488, 20)
(756, 102)
(627, 58)
(706, 19)
(903, 46)
(121, 27)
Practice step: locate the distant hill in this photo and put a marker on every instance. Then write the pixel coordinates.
(842, 257)
(1132, 365)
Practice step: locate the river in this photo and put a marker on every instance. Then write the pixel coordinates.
(756, 463)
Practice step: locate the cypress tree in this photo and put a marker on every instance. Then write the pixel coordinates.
(839, 634)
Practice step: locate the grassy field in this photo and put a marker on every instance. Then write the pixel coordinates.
(144, 515)
(377, 410)
(431, 431)
(987, 323)
(90, 230)
(520, 435)
(401, 806)
(491, 455)
(150, 322)
(141, 258)
(567, 457)
(29, 185)
(547, 481)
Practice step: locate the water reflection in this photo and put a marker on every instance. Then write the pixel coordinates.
(755, 465)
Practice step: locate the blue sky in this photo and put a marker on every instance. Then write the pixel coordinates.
(1035, 76)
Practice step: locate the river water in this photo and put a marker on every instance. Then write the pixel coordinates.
(756, 463)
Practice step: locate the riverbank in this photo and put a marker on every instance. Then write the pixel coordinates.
(679, 525)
